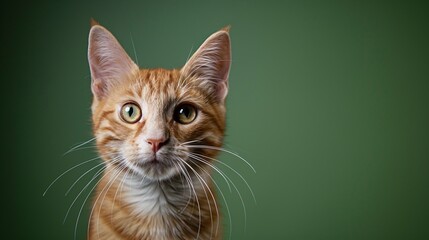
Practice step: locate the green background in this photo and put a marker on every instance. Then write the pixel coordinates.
(328, 101)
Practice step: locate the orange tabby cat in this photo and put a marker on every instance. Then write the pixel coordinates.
(157, 131)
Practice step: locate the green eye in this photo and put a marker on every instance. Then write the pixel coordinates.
(185, 113)
(131, 113)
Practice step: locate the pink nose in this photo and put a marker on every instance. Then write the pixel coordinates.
(156, 144)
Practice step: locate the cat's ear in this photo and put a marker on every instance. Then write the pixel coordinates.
(108, 61)
(210, 64)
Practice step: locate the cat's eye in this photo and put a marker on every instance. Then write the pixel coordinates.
(185, 113)
(130, 112)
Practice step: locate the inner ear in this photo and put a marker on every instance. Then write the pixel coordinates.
(210, 64)
(108, 61)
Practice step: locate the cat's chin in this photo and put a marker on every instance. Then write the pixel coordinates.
(156, 170)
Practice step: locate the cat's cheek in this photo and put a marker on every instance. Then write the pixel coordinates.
(130, 151)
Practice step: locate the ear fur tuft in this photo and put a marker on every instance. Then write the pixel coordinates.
(93, 22)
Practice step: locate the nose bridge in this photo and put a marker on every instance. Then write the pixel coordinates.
(155, 132)
(155, 127)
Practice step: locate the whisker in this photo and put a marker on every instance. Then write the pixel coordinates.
(83, 204)
(81, 176)
(192, 141)
(223, 150)
(217, 170)
(82, 148)
(182, 79)
(68, 211)
(235, 187)
(242, 178)
(79, 145)
(86, 198)
(86, 186)
(202, 181)
(196, 198)
(211, 193)
(104, 188)
(121, 184)
(134, 49)
(111, 181)
(227, 208)
(56, 179)
(226, 205)
(100, 170)
(182, 175)
(189, 54)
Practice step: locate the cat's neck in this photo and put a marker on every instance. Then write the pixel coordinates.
(178, 208)
(166, 197)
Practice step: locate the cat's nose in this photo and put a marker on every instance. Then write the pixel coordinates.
(156, 144)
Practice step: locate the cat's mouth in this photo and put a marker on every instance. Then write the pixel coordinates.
(156, 168)
(152, 162)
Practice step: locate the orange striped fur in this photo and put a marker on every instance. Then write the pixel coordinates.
(157, 182)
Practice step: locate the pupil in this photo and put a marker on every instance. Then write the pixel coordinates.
(185, 112)
(130, 111)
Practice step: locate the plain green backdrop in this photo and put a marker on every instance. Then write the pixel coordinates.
(328, 101)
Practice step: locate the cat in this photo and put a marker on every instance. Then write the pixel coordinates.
(158, 132)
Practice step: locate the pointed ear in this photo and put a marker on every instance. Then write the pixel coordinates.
(108, 61)
(210, 64)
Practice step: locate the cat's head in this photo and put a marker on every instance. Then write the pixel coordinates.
(155, 122)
